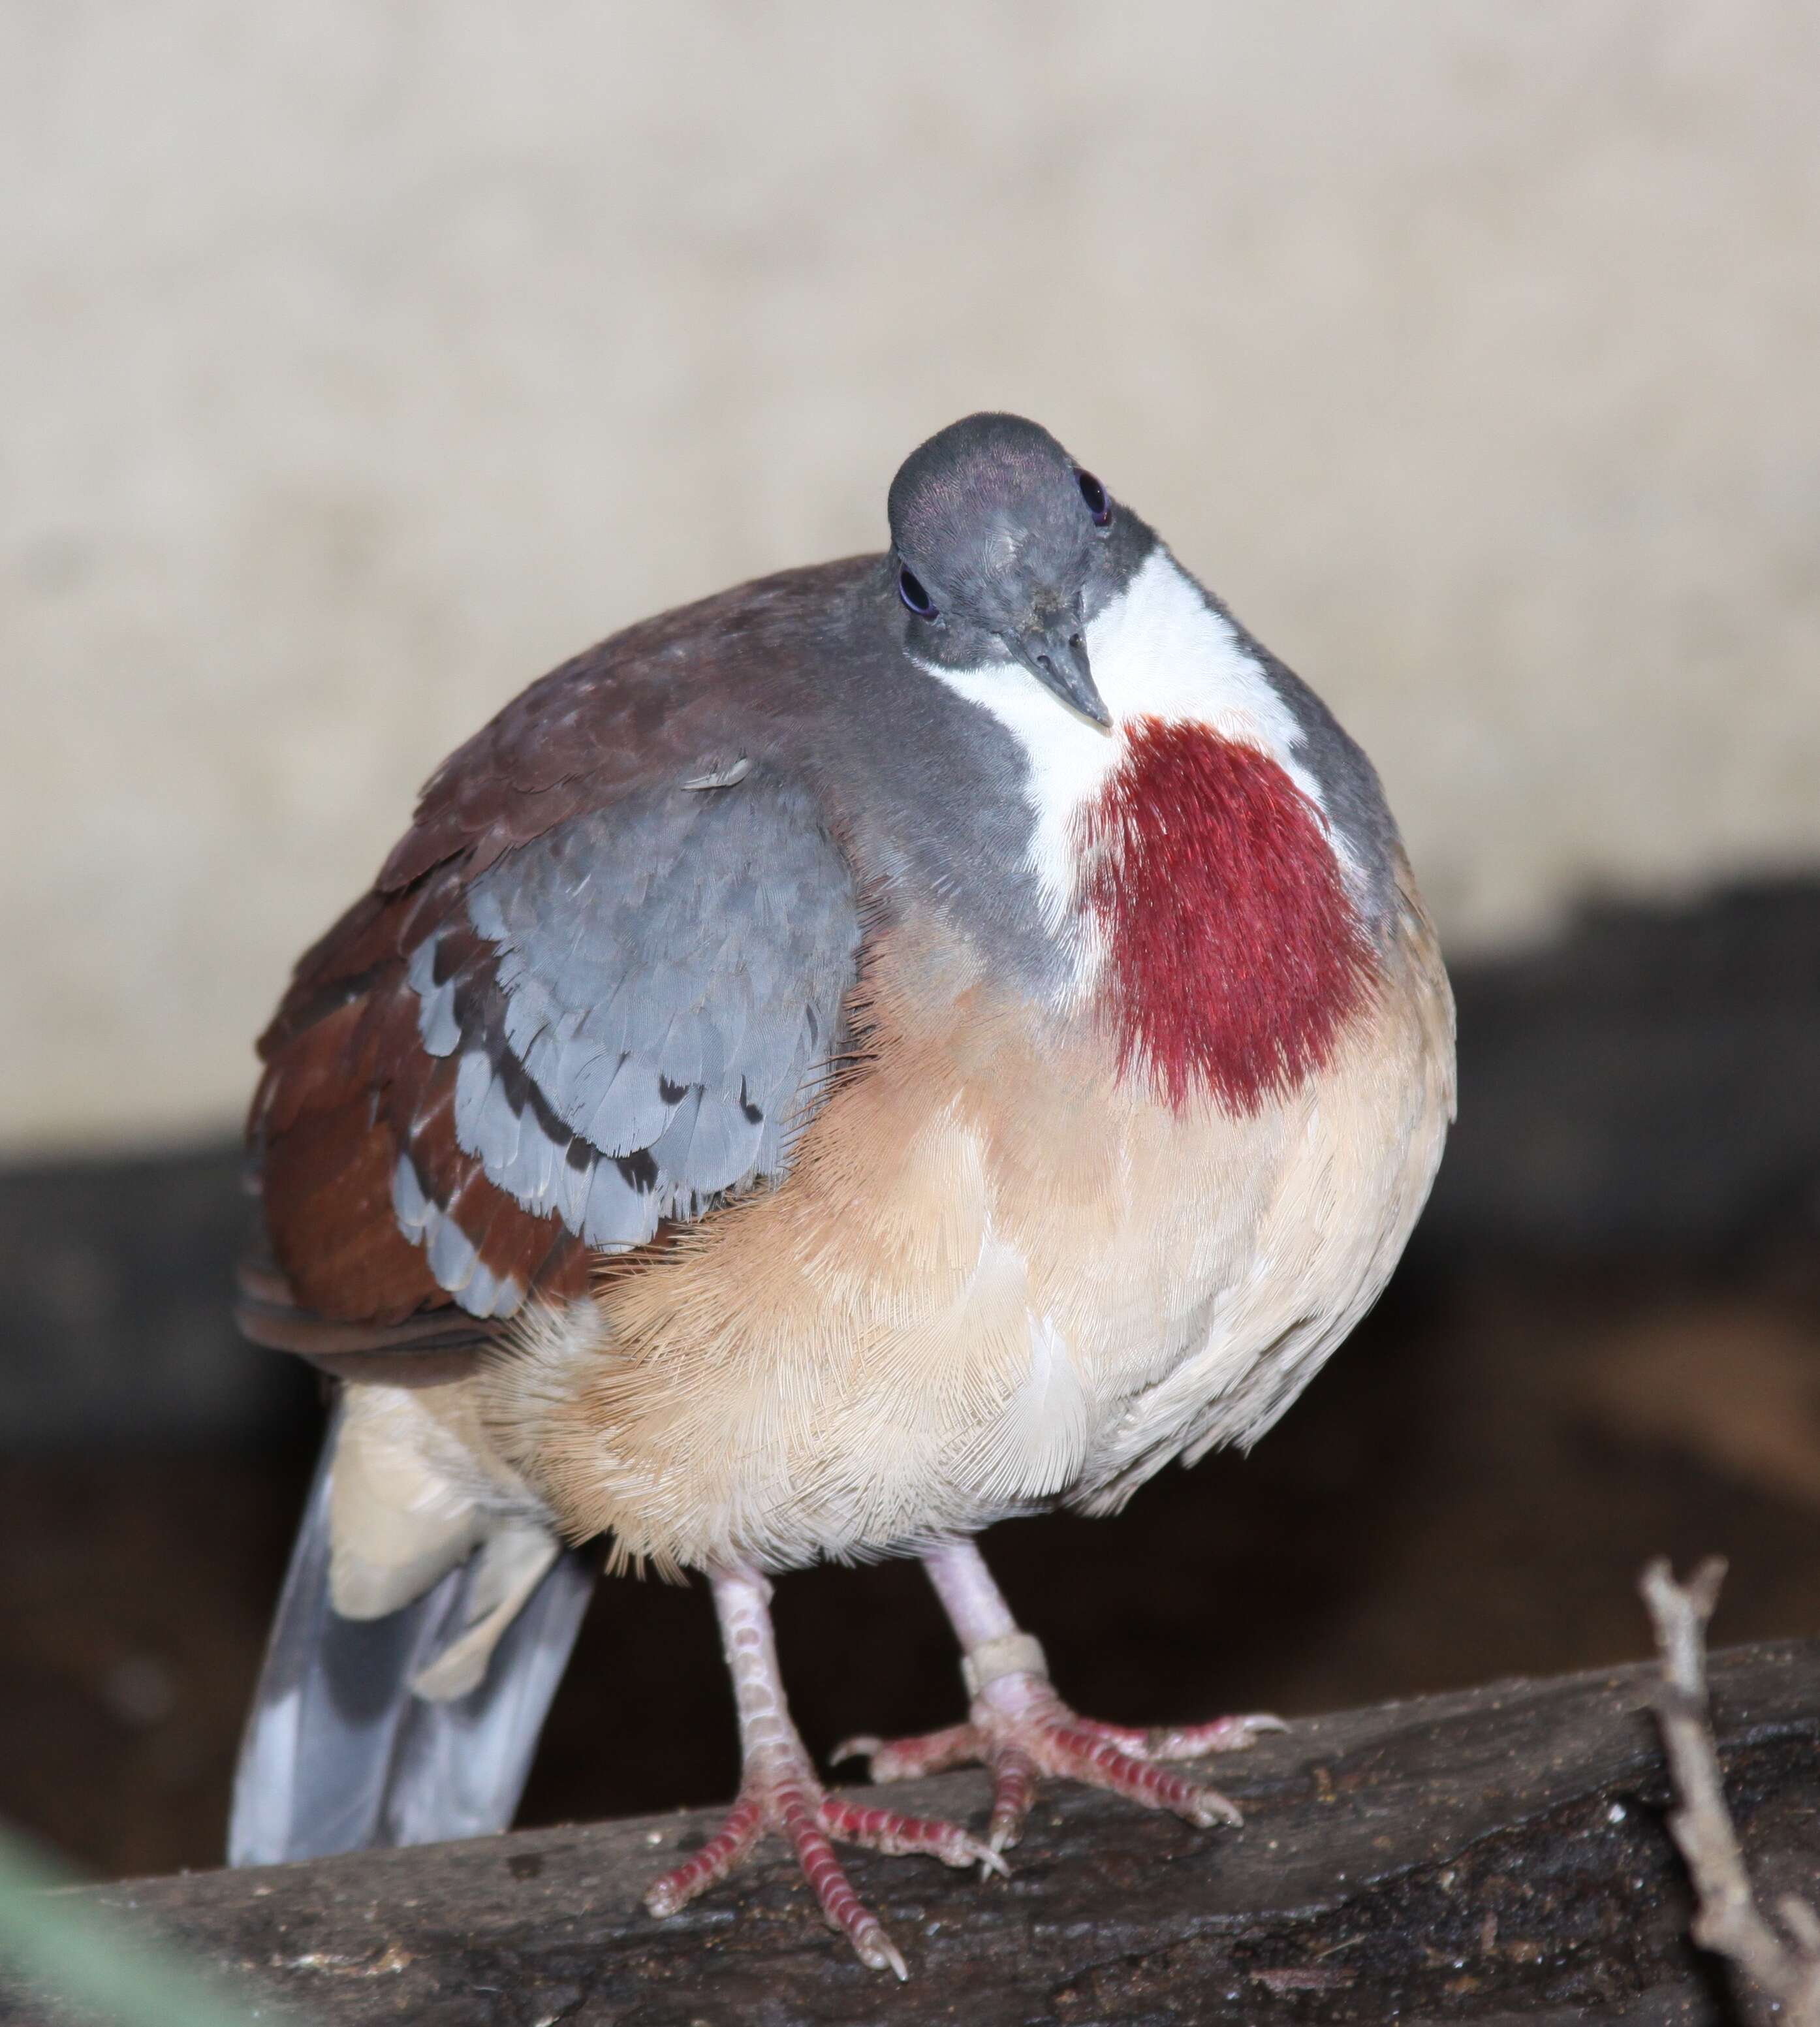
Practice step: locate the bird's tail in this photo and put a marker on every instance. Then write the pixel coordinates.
(411, 1724)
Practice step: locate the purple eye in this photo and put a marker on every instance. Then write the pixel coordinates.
(1094, 494)
(909, 588)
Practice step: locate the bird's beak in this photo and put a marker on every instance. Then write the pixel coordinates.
(1057, 656)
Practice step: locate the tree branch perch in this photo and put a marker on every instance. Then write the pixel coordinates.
(1491, 1854)
(1785, 1970)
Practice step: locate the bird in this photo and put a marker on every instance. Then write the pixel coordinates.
(901, 1044)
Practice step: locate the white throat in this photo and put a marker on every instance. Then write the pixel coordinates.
(1159, 651)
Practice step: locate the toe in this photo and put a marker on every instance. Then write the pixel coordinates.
(900, 1836)
(1066, 1749)
(841, 1907)
(909, 1758)
(712, 1863)
(1014, 1792)
(1224, 1734)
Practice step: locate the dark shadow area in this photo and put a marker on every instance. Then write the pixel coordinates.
(1605, 1345)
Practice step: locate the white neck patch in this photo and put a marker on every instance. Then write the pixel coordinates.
(1159, 651)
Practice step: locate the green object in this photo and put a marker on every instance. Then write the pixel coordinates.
(97, 1967)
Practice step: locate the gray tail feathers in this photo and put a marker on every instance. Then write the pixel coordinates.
(341, 1753)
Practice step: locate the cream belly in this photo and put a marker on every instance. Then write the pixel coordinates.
(996, 1279)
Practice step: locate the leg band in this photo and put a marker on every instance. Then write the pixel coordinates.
(1010, 1654)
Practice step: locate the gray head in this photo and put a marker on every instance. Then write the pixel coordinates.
(1002, 549)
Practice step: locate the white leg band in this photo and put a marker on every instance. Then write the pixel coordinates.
(1010, 1654)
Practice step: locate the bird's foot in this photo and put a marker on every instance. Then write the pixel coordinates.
(780, 1792)
(1019, 1729)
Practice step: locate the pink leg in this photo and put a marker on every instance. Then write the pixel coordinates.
(1020, 1728)
(780, 1792)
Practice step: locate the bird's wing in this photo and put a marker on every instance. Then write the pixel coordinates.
(575, 1007)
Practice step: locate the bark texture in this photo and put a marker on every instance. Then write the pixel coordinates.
(1494, 1856)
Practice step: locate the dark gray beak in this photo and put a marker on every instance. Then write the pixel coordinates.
(1057, 656)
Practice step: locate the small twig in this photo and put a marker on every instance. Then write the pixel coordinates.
(1726, 1918)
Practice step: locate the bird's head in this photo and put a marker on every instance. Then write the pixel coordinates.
(1002, 549)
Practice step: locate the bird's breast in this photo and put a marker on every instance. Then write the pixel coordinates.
(1185, 858)
(1230, 955)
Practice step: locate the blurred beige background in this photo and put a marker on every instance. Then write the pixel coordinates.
(360, 361)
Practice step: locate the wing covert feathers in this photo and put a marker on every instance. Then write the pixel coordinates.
(483, 1078)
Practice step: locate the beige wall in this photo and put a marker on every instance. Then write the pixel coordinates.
(360, 359)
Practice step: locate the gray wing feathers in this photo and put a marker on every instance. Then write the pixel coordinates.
(663, 982)
(339, 1754)
(454, 1258)
(462, 1766)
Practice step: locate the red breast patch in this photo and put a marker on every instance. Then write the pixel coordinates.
(1234, 957)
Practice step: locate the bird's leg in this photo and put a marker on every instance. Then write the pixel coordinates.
(1019, 1728)
(779, 1792)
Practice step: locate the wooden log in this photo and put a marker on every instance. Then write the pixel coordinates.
(1494, 1856)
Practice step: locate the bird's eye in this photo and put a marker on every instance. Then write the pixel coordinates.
(909, 588)
(1094, 494)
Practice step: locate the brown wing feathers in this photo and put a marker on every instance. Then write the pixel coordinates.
(348, 1090)
(348, 1087)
